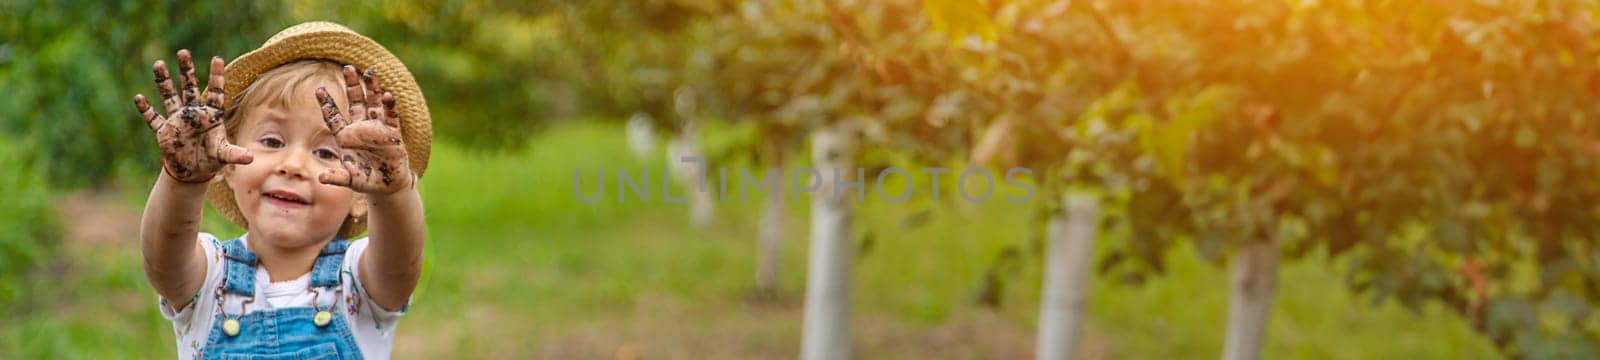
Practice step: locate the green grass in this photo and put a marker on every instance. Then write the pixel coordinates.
(517, 266)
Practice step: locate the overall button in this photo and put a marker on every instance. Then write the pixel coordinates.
(230, 327)
(322, 318)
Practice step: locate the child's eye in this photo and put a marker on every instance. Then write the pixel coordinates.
(325, 154)
(272, 142)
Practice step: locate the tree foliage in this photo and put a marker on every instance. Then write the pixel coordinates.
(69, 72)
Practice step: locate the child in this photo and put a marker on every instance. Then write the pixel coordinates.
(274, 153)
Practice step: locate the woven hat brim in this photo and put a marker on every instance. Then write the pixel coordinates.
(332, 42)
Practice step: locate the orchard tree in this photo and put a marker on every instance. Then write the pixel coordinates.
(850, 75)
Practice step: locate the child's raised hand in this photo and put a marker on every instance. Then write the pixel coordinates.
(374, 158)
(194, 145)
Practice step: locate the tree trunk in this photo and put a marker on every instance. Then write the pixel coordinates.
(827, 310)
(771, 226)
(641, 136)
(1066, 280)
(694, 176)
(1254, 281)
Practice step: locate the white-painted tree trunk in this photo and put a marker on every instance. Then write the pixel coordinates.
(641, 136)
(1253, 283)
(827, 310)
(1066, 280)
(771, 227)
(696, 177)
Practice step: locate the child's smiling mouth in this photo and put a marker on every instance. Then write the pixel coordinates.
(286, 199)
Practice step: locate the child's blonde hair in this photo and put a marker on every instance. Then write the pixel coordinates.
(276, 87)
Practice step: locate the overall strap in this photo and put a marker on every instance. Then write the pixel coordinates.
(325, 273)
(239, 266)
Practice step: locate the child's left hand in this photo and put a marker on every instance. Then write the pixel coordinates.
(374, 158)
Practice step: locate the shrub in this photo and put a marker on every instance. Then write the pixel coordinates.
(29, 230)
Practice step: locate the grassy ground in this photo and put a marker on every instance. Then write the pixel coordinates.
(517, 267)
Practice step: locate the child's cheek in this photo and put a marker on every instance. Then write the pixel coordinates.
(338, 197)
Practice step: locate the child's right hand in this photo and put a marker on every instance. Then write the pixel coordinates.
(194, 144)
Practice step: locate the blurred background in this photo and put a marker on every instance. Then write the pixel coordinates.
(1425, 170)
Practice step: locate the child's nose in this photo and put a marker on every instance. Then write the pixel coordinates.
(294, 164)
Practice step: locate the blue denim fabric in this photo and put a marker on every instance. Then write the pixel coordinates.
(325, 272)
(283, 334)
(240, 275)
(287, 333)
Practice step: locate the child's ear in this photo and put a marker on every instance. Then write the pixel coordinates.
(359, 206)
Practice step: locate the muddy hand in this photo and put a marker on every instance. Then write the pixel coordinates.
(194, 145)
(374, 156)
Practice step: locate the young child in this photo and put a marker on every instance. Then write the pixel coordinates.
(275, 154)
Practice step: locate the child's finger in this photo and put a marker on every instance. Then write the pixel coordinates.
(191, 85)
(169, 94)
(390, 116)
(215, 84)
(367, 135)
(335, 176)
(353, 94)
(151, 119)
(330, 111)
(374, 110)
(230, 153)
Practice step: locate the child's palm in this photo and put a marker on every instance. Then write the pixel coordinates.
(194, 144)
(374, 159)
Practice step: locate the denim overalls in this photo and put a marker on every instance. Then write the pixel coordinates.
(316, 332)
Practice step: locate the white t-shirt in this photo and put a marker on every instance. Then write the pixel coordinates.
(371, 325)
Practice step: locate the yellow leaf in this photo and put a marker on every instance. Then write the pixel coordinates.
(960, 18)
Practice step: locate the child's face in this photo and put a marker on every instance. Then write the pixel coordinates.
(279, 193)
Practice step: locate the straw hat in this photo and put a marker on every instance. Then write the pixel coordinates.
(333, 42)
